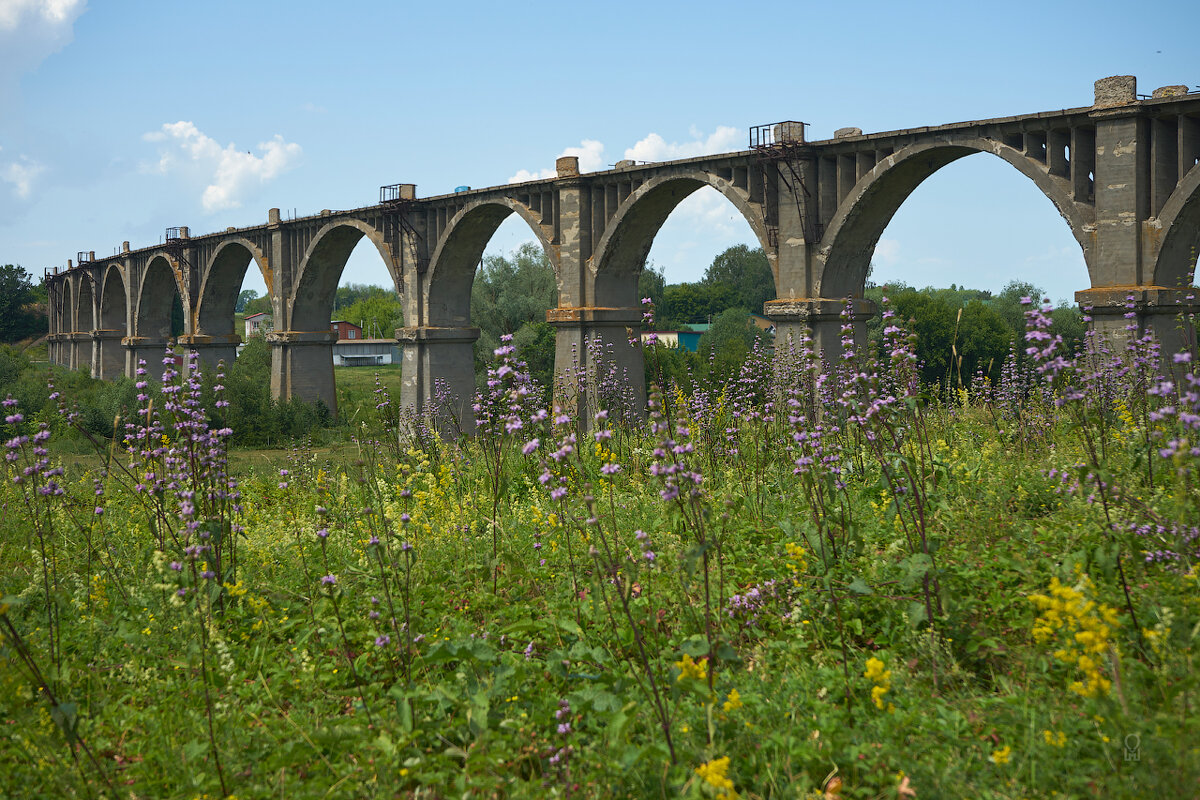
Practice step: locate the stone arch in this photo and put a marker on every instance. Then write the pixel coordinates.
(85, 302)
(321, 269)
(222, 280)
(158, 287)
(1179, 227)
(621, 252)
(66, 307)
(113, 300)
(846, 248)
(458, 252)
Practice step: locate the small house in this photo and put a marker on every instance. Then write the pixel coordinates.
(258, 324)
(345, 330)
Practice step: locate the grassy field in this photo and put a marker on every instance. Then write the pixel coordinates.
(994, 597)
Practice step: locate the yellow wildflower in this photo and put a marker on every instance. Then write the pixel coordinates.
(716, 774)
(1002, 756)
(1054, 739)
(734, 701)
(691, 669)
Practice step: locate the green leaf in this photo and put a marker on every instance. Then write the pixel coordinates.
(695, 646)
(859, 586)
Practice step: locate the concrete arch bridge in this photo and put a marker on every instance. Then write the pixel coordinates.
(1123, 172)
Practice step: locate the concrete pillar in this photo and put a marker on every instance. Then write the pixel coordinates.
(213, 349)
(594, 363)
(439, 361)
(110, 354)
(302, 366)
(145, 348)
(80, 350)
(822, 320)
(1167, 313)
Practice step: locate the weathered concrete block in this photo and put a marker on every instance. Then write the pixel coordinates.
(1170, 91)
(624, 163)
(567, 166)
(788, 132)
(846, 133)
(1118, 90)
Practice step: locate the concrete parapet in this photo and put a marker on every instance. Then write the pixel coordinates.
(1118, 90)
(1169, 91)
(788, 132)
(567, 166)
(846, 133)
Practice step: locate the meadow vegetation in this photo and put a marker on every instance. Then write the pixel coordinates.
(790, 580)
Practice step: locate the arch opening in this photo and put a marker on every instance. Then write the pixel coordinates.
(84, 301)
(960, 248)
(460, 254)
(112, 301)
(859, 224)
(324, 266)
(229, 287)
(513, 288)
(697, 202)
(1176, 263)
(159, 310)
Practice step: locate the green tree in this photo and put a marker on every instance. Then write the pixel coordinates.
(379, 314)
(508, 294)
(19, 315)
(652, 283)
(982, 342)
(747, 272)
(259, 305)
(686, 304)
(728, 341)
(244, 297)
(932, 319)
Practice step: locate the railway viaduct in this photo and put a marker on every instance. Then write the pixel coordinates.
(1122, 172)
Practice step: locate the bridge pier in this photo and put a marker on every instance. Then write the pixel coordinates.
(1156, 309)
(213, 349)
(79, 349)
(594, 364)
(145, 348)
(820, 318)
(434, 360)
(53, 348)
(302, 366)
(108, 356)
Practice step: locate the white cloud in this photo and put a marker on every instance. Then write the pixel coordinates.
(887, 252)
(21, 174)
(31, 30)
(229, 171)
(655, 148)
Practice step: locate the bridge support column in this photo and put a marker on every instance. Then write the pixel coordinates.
(54, 348)
(109, 355)
(79, 350)
(213, 349)
(437, 374)
(1170, 314)
(822, 320)
(148, 349)
(594, 364)
(302, 366)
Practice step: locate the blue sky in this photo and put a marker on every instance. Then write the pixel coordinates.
(120, 119)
